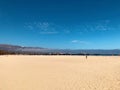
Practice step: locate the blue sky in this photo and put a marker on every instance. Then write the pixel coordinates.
(69, 24)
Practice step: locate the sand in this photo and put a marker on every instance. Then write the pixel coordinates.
(59, 73)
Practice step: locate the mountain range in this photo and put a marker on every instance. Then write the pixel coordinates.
(15, 49)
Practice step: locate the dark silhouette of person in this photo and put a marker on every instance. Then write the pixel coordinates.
(86, 56)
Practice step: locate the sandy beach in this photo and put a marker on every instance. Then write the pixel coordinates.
(59, 73)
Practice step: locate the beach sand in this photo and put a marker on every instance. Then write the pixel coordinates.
(59, 73)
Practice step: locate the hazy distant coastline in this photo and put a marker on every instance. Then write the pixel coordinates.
(6, 49)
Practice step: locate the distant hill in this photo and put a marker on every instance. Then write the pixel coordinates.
(14, 49)
(17, 48)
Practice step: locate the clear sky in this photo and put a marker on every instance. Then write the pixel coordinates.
(70, 24)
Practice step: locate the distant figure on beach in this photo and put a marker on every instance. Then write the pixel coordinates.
(86, 56)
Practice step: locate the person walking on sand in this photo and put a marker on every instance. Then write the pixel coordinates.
(86, 56)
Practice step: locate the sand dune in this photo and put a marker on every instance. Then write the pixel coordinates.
(59, 73)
